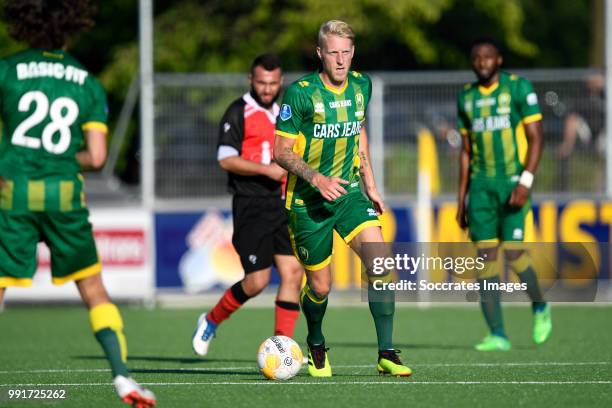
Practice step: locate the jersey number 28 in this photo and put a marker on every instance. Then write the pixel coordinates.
(63, 112)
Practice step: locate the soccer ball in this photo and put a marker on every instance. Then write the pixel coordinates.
(279, 358)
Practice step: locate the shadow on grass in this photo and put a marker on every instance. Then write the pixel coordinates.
(182, 360)
(417, 346)
(403, 346)
(191, 372)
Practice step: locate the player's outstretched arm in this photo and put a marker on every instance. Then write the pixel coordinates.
(464, 180)
(329, 187)
(94, 155)
(535, 141)
(367, 174)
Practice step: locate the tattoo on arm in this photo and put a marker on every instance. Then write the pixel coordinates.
(295, 164)
(365, 171)
(363, 164)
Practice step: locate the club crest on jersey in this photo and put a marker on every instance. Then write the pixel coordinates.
(359, 109)
(226, 127)
(503, 99)
(285, 112)
(503, 102)
(319, 107)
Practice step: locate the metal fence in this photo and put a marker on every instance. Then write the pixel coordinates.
(188, 108)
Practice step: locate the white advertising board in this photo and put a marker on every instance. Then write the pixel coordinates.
(123, 238)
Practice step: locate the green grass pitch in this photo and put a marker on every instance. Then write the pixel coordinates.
(53, 347)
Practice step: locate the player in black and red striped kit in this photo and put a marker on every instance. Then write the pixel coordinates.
(261, 237)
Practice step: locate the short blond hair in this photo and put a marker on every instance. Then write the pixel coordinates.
(335, 27)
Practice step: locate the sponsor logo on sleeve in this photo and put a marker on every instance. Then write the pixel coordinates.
(532, 99)
(285, 112)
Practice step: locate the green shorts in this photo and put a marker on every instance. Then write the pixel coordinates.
(490, 217)
(68, 235)
(311, 229)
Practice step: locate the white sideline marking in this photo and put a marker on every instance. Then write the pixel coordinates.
(544, 363)
(205, 369)
(60, 370)
(407, 382)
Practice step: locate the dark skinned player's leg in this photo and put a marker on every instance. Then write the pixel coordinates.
(490, 299)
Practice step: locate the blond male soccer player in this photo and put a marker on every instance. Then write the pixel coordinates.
(50, 105)
(500, 120)
(321, 141)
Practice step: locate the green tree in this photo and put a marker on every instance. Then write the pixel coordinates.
(222, 36)
(225, 35)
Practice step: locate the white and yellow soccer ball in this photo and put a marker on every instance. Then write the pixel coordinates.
(279, 358)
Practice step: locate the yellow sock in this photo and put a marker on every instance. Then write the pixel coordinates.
(520, 264)
(490, 270)
(107, 316)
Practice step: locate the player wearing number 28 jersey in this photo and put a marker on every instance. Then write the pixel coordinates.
(48, 100)
(54, 123)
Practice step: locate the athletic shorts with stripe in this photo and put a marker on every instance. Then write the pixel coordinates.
(311, 228)
(68, 235)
